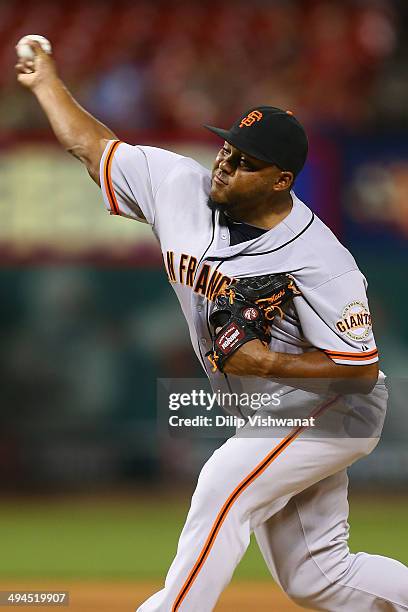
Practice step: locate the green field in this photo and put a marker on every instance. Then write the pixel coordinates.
(136, 539)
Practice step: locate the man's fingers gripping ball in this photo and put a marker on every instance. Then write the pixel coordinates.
(245, 311)
(35, 63)
(30, 45)
(26, 67)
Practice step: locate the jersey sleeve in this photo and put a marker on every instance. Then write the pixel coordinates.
(130, 177)
(335, 318)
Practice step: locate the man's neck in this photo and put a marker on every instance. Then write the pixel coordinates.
(265, 217)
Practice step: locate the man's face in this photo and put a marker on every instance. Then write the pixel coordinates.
(240, 181)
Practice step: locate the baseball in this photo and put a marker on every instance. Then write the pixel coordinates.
(24, 51)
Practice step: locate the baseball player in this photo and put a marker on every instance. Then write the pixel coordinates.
(239, 221)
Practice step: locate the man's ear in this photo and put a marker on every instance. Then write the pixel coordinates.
(284, 181)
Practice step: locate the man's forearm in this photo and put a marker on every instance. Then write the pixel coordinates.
(77, 130)
(309, 371)
(316, 365)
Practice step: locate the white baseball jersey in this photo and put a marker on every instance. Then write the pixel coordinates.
(290, 491)
(171, 192)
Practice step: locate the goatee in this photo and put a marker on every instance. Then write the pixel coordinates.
(213, 205)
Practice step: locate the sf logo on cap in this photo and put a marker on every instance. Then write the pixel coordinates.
(253, 116)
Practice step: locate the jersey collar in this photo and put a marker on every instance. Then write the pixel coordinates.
(288, 230)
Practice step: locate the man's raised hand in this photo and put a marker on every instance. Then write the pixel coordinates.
(40, 70)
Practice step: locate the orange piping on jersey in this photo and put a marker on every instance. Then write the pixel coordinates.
(110, 193)
(352, 356)
(257, 471)
(343, 353)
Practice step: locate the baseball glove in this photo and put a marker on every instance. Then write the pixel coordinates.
(245, 311)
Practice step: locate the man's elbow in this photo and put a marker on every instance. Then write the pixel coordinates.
(357, 379)
(368, 378)
(90, 154)
(364, 385)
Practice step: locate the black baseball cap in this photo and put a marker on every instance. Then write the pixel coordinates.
(270, 134)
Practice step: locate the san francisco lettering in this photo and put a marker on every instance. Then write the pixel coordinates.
(206, 281)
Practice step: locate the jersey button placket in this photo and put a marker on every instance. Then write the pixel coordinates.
(198, 316)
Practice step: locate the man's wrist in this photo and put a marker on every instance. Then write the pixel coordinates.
(43, 86)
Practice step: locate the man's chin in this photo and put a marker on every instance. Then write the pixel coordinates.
(214, 204)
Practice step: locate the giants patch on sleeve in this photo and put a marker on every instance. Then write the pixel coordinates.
(355, 321)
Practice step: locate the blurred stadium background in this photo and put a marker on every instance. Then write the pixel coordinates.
(88, 321)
